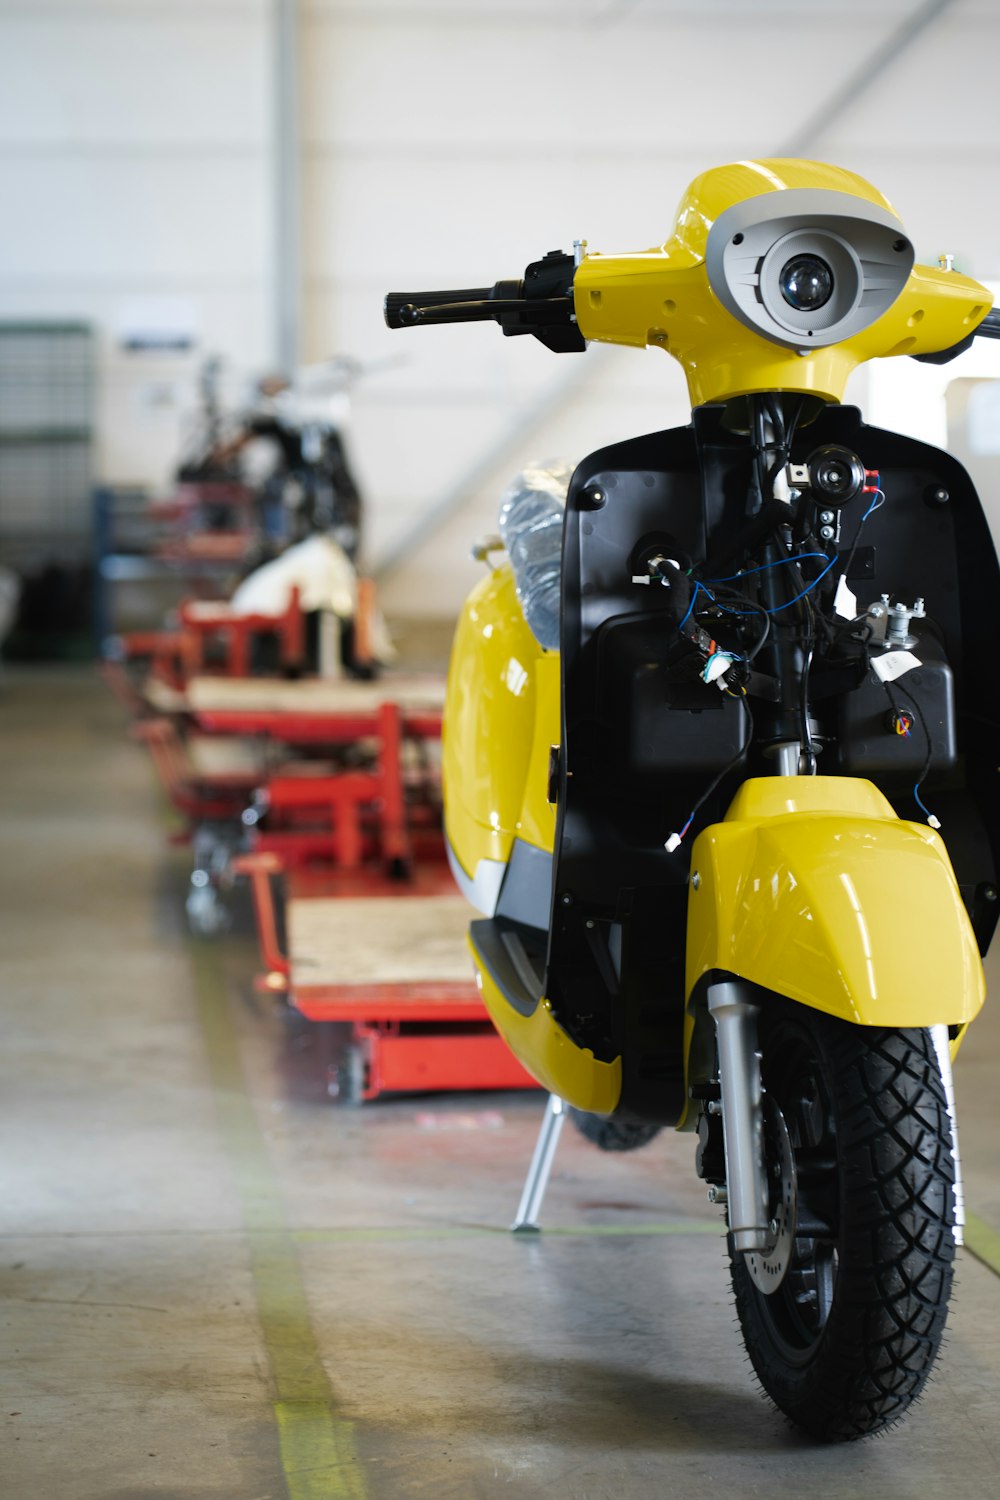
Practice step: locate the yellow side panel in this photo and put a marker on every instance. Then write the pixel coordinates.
(812, 887)
(537, 823)
(539, 1042)
(489, 725)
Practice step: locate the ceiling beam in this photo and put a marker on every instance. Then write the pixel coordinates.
(286, 192)
(861, 80)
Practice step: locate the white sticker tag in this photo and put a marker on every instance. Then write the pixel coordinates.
(844, 602)
(893, 664)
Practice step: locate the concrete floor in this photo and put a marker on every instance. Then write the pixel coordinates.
(217, 1284)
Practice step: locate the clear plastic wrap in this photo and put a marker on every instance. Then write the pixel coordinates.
(531, 525)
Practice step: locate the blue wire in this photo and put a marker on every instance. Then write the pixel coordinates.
(698, 588)
(923, 808)
(809, 587)
(781, 563)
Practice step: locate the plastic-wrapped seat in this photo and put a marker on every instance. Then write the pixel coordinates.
(531, 524)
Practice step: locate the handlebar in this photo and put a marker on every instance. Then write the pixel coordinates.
(541, 304)
(402, 309)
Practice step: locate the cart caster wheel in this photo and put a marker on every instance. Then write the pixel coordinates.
(206, 912)
(346, 1078)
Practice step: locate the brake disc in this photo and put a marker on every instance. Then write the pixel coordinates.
(769, 1267)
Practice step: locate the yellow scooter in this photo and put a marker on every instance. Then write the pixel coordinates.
(702, 728)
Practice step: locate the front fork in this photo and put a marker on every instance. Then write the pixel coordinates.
(742, 1092)
(742, 1114)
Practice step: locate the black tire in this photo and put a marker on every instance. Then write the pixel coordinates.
(611, 1134)
(845, 1344)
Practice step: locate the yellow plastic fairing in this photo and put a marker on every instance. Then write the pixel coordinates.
(663, 297)
(550, 1056)
(812, 887)
(501, 716)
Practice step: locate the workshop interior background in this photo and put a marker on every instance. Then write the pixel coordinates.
(246, 180)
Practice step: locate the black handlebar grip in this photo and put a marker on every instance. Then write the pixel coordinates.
(398, 304)
(989, 328)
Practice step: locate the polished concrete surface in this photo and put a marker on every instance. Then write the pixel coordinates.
(216, 1283)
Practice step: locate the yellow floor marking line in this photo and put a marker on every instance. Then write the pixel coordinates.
(982, 1241)
(484, 1231)
(318, 1450)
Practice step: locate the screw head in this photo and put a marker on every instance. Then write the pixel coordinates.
(593, 497)
(696, 880)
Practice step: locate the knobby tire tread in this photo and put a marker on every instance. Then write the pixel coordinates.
(612, 1134)
(896, 1247)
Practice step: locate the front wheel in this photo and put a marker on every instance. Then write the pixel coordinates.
(843, 1315)
(612, 1134)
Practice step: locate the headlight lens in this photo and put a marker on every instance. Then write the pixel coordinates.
(806, 283)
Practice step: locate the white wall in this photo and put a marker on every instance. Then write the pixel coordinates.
(444, 143)
(134, 165)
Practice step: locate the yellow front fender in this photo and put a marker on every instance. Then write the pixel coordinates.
(814, 888)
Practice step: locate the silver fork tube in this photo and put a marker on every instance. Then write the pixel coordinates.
(742, 1114)
(939, 1036)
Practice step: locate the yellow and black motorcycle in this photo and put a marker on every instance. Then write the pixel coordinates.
(702, 727)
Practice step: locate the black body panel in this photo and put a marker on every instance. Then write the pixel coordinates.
(639, 747)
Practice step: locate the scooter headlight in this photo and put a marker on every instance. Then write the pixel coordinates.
(807, 267)
(806, 283)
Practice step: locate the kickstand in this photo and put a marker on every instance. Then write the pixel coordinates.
(537, 1179)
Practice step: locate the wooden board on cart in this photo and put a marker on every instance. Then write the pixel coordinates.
(314, 695)
(212, 757)
(164, 698)
(383, 940)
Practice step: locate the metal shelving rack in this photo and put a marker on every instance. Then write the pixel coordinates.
(46, 441)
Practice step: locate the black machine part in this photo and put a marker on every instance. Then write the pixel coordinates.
(637, 754)
(904, 726)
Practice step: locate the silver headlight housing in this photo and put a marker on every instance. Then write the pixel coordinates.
(851, 258)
